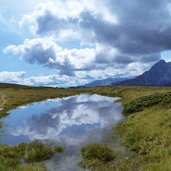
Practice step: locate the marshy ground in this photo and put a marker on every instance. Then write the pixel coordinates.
(144, 134)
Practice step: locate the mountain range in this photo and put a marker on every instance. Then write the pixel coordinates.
(105, 82)
(158, 75)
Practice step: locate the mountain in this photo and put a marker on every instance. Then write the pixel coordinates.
(158, 75)
(104, 82)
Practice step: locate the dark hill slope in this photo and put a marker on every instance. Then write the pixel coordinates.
(158, 75)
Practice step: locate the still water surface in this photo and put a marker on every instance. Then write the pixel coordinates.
(70, 122)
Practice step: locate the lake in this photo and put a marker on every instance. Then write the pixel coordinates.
(71, 122)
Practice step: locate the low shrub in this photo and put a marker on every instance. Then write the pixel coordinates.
(96, 156)
(141, 103)
(14, 156)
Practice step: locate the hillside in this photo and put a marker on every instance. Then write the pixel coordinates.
(158, 75)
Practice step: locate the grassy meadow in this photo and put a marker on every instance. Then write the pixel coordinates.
(12, 96)
(144, 135)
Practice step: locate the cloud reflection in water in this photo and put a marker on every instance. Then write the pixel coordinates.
(72, 120)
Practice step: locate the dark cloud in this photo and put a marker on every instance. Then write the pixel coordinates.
(141, 33)
(38, 54)
(124, 59)
(143, 27)
(150, 58)
(48, 23)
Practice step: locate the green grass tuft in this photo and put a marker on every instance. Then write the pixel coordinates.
(148, 101)
(13, 156)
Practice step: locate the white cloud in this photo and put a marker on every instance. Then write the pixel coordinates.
(63, 17)
(80, 77)
(74, 66)
(47, 53)
(11, 77)
(84, 40)
(49, 80)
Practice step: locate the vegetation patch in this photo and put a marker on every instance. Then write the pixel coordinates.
(96, 156)
(12, 157)
(101, 157)
(12, 96)
(144, 134)
(141, 103)
(1, 124)
(28, 167)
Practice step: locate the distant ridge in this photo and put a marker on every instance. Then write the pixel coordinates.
(158, 75)
(11, 85)
(104, 82)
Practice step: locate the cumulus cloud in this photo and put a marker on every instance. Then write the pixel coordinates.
(44, 80)
(116, 36)
(143, 27)
(54, 17)
(80, 77)
(54, 80)
(11, 77)
(47, 53)
(139, 27)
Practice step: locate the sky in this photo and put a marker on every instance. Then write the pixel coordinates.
(73, 42)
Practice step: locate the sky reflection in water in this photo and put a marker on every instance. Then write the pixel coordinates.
(71, 121)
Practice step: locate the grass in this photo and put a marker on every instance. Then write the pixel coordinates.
(13, 157)
(28, 167)
(96, 156)
(31, 167)
(142, 103)
(1, 124)
(102, 157)
(144, 134)
(13, 96)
